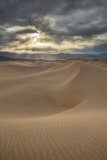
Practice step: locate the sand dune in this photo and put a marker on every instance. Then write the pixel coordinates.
(53, 110)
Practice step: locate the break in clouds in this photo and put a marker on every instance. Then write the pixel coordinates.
(47, 26)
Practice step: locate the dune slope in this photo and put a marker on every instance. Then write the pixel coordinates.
(53, 111)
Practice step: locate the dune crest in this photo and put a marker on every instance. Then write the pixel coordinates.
(67, 94)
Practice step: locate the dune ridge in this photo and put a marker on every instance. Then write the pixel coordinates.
(53, 110)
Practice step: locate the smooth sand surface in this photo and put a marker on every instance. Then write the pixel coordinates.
(53, 110)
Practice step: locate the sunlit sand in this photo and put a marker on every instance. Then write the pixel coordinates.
(53, 110)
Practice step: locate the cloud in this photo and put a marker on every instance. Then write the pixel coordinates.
(56, 22)
(25, 31)
(9, 37)
(99, 48)
(39, 50)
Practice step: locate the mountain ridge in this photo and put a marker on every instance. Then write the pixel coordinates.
(60, 56)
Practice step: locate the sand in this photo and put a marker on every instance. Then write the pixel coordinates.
(53, 110)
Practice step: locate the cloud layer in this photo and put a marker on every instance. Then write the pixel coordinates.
(41, 26)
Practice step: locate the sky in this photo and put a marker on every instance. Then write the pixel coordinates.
(53, 26)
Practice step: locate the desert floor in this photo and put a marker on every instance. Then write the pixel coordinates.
(53, 110)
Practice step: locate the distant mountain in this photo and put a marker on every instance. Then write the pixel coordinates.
(60, 56)
(3, 58)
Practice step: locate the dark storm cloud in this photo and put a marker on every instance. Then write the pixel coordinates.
(99, 48)
(71, 31)
(10, 37)
(9, 10)
(71, 18)
(88, 25)
(72, 5)
(21, 9)
(7, 40)
(40, 23)
(2, 29)
(25, 31)
(87, 31)
(34, 49)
